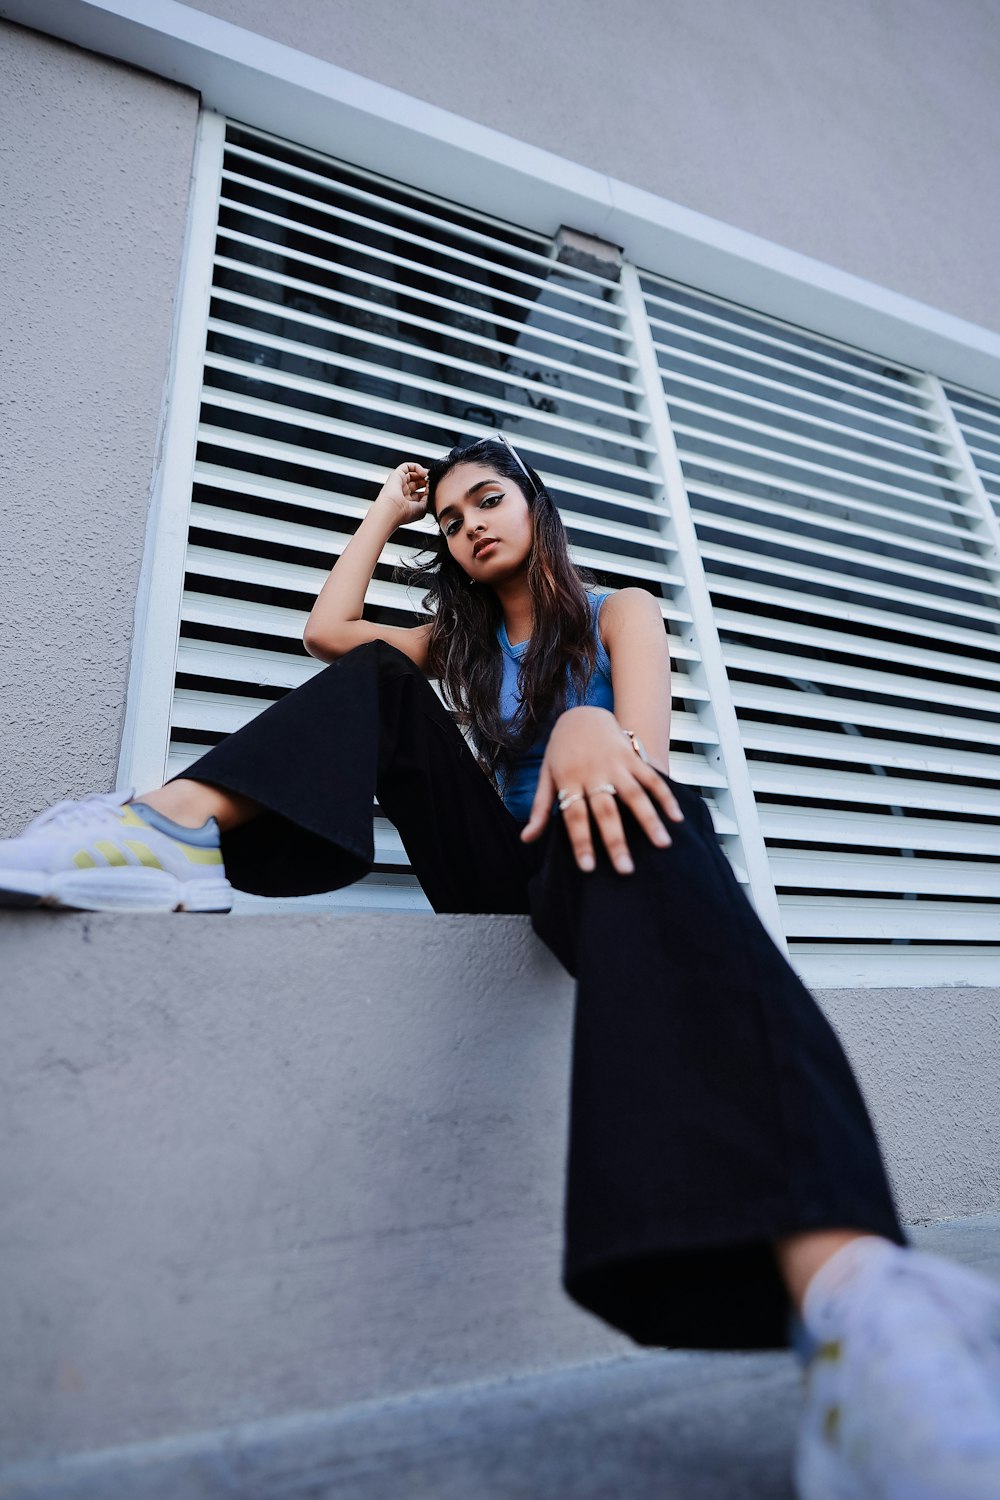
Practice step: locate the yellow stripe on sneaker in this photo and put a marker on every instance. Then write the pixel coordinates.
(84, 861)
(113, 855)
(143, 853)
(200, 856)
(129, 816)
(192, 852)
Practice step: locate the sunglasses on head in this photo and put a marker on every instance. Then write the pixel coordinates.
(501, 438)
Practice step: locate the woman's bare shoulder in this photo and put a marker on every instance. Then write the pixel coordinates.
(628, 608)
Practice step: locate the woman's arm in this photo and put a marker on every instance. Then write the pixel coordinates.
(335, 624)
(588, 751)
(632, 630)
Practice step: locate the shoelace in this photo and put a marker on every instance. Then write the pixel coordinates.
(83, 810)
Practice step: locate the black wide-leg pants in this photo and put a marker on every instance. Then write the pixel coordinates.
(712, 1107)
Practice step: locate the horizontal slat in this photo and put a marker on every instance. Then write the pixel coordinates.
(248, 616)
(224, 523)
(856, 750)
(798, 783)
(609, 561)
(223, 713)
(244, 140)
(251, 664)
(922, 724)
(987, 461)
(263, 572)
(821, 825)
(833, 917)
(894, 966)
(226, 663)
(379, 196)
(830, 871)
(273, 619)
(383, 891)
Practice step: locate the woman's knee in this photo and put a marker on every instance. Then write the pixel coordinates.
(381, 655)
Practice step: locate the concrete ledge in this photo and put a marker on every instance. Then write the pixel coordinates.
(672, 1426)
(656, 1427)
(260, 1166)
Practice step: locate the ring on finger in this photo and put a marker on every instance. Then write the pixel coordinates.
(604, 786)
(567, 798)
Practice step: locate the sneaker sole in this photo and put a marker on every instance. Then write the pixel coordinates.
(122, 890)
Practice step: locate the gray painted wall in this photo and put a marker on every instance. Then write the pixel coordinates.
(868, 135)
(865, 133)
(96, 173)
(322, 1161)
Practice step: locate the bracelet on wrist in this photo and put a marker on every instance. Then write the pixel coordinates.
(637, 746)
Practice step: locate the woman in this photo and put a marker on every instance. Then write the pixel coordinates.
(724, 1187)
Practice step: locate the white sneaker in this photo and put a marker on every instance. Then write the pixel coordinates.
(107, 854)
(903, 1390)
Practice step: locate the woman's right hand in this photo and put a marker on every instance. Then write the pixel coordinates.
(404, 494)
(336, 623)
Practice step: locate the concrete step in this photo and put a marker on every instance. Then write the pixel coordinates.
(650, 1426)
(663, 1426)
(260, 1166)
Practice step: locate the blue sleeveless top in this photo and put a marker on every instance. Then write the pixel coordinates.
(518, 787)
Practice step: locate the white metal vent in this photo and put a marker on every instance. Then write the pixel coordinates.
(854, 575)
(820, 529)
(355, 322)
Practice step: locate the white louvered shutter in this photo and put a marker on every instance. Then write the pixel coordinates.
(355, 322)
(818, 526)
(856, 593)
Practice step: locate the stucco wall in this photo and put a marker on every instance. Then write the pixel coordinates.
(96, 172)
(323, 1160)
(865, 134)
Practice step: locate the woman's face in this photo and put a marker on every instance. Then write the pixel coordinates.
(486, 522)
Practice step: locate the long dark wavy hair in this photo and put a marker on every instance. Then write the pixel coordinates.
(464, 650)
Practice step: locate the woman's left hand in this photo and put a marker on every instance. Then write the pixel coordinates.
(587, 755)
